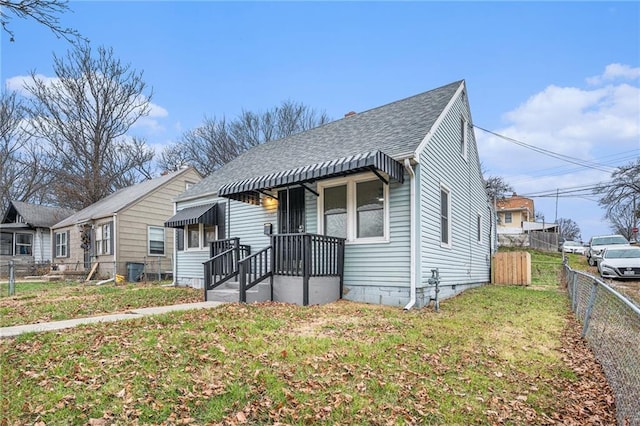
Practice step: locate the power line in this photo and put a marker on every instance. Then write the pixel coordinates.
(562, 157)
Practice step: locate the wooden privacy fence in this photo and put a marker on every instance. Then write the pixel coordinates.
(511, 268)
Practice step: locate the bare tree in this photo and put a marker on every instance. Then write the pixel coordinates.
(622, 197)
(216, 141)
(622, 220)
(569, 230)
(496, 187)
(22, 175)
(84, 116)
(623, 188)
(45, 12)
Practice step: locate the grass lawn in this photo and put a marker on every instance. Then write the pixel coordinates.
(35, 302)
(493, 355)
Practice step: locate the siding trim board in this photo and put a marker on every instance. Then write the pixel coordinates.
(439, 121)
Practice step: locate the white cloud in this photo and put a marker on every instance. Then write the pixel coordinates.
(577, 122)
(17, 83)
(615, 72)
(595, 123)
(156, 110)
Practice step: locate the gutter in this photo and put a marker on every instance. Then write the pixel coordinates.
(175, 248)
(412, 233)
(115, 245)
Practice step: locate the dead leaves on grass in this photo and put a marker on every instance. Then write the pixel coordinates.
(339, 383)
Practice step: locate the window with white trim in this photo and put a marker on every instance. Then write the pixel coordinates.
(193, 236)
(445, 216)
(180, 239)
(155, 240)
(103, 239)
(62, 244)
(196, 236)
(354, 208)
(6, 244)
(209, 235)
(24, 243)
(508, 218)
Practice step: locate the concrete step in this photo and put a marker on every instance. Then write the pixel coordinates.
(230, 292)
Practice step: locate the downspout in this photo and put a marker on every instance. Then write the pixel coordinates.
(175, 249)
(412, 233)
(115, 245)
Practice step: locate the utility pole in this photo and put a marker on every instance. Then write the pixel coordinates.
(634, 217)
(556, 219)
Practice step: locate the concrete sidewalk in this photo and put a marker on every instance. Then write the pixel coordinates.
(135, 313)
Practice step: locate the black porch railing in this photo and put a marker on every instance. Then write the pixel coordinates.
(222, 265)
(253, 270)
(308, 255)
(299, 255)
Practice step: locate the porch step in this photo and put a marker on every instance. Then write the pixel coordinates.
(230, 292)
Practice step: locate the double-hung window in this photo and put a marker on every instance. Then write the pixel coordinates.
(6, 244)
(193, 236)
(354, 208)
(62, 244)
(508, 217)
(198, 236)
(156, 240)
(103, 239)
(24, 244)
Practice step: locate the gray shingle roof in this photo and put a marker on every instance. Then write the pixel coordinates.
(118, 200)
(36, 215)
(395, 129)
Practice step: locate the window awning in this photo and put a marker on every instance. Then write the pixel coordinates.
(248, 190)
(206, 214)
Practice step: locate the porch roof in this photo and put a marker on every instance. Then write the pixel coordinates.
(248, 190)
(205, 214)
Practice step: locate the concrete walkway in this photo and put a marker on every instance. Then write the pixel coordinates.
(135, 313)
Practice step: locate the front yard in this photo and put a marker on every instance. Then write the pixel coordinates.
(493, 355)
(35, 302)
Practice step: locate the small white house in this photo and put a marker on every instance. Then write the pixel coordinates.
(377, 207)
(25, 232)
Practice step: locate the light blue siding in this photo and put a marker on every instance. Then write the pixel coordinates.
(384, 264)
(441, 163)
(190, 269)
(247, 223)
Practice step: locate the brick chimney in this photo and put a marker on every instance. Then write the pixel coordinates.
(349, 114)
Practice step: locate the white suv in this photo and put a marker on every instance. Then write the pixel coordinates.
(599, 243)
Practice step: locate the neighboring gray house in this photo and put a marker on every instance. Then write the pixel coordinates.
(25, 231)
(364, 208)
(124, 232)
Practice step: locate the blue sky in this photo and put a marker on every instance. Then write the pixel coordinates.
(561, 76)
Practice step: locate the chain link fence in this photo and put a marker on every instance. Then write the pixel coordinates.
(611, 326)
(133, 270)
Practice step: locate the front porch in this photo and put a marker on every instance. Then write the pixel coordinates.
(304, 269)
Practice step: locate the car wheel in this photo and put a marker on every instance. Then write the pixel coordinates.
(591, 262)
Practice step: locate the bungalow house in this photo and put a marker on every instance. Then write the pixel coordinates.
(386, 206)
(124, 232)
(25, 232)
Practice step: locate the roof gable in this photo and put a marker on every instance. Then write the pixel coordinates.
(35, 215)
(120, 199)
(396, 129)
